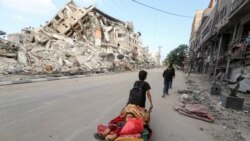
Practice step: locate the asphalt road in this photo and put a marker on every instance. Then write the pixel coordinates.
(69, 110)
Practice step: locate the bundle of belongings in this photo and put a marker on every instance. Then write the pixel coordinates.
(195, 111)
(131, 125)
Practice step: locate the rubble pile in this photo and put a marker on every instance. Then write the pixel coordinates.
(76, 40)
(235, 125)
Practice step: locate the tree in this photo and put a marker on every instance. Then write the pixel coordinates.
(177, 56)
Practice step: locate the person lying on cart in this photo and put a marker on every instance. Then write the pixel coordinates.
(112, 131)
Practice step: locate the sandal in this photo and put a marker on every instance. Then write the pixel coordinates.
(99, 137)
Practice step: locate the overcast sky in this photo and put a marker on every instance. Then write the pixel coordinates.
(157, 28)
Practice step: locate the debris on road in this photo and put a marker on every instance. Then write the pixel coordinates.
(195, 111)
(235, 124)
(185, 92)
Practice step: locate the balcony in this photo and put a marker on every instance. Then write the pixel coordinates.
(238, 7)
(236, 4)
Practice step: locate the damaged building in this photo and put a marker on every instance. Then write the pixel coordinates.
(220, 41)
(75, 40)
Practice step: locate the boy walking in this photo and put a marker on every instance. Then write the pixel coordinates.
(168, 76)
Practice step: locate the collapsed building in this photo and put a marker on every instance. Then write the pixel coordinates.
(220, 41)
(76, 40)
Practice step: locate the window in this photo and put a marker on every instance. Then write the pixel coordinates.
(64, 11)
(57, 18)
(120, 35)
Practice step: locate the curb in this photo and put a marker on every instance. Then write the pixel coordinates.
(41, 80)
(50, 78)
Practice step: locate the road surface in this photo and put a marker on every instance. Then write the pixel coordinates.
(69, 110)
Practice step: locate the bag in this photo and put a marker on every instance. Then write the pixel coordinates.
(135, 95)
(133, 126)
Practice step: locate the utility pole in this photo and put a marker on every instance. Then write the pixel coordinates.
(159, 59)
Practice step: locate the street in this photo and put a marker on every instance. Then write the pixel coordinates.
(70, 110)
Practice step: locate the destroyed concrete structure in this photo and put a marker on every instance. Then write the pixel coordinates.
(2, 32)
(76, 40)
(219, 41)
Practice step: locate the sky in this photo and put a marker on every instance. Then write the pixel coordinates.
(157, 28)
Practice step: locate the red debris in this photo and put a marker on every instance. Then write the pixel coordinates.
(196, 111)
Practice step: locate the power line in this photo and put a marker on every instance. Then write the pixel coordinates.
(120, 12)
(129, 14)
(166, 12)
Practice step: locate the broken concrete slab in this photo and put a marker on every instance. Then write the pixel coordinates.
(245, 85)
(22, 55)
(14, 70)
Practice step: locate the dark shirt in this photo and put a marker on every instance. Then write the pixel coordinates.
(168, 74)
(145, 88)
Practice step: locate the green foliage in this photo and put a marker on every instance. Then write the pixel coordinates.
(177, 55)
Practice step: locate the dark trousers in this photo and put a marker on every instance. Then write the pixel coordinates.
(170, 84)
(166, 86)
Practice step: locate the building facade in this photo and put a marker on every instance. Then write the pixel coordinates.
(218, 42)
